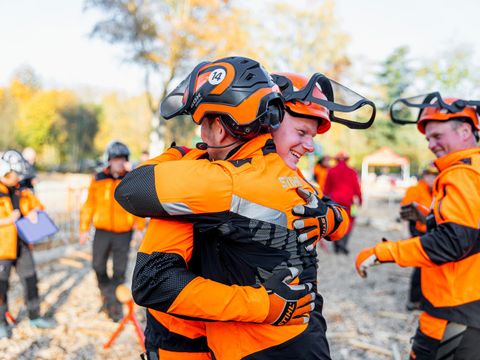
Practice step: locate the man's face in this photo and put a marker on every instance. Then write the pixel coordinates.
(10, 179)
(443, 137)
(117, 164)
(294, 138)
(210, 132)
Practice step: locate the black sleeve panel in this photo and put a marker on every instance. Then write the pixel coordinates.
(450, 242)
(158, 278)
(136, 193)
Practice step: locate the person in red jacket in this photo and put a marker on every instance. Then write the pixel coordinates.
(343, 187)
(320, 171)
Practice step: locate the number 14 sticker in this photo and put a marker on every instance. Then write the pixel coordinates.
(216, 76)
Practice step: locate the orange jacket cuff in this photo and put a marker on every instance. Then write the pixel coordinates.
(342, 229)
(384, 251)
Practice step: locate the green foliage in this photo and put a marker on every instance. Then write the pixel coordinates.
(126, 119)
(78, 133)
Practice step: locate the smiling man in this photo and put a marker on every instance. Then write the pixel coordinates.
(449, 253)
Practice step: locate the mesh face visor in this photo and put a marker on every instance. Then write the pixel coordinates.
(179, 101)
(409, 110)
(346, 106)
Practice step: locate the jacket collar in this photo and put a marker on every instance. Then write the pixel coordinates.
(251, 148)
(445, 161)
(3, 188)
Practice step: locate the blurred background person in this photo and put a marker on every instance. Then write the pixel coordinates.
(15, 203)
(30, 179)
(320, 171)
(343, 187)
(114, 227)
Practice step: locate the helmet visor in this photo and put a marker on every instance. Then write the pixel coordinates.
(408, 110)
(178, 101)
(346, 106)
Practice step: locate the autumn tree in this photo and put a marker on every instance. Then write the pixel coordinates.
(166, 38)
(124, 119)
(302, 37)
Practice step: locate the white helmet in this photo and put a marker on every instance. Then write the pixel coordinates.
(4, 167)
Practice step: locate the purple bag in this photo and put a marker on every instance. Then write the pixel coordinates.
(32, 233)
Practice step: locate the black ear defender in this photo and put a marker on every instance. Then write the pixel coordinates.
(274, 115)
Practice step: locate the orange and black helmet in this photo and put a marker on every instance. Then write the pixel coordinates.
(308, 109)
(325, 98)
(237, 89)
(432, 107)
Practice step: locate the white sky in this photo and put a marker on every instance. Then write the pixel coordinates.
(52, 37)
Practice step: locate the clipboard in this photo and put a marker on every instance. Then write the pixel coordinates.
(32, 233)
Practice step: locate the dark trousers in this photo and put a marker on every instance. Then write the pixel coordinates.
(340, 245)
(106, 243)
(459, 342)
(25, 267)
(415, 292)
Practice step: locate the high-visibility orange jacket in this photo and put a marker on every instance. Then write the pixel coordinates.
(320, 174)
(449, 253)
(420, 193)
(8, 233)
(242, 221)
(104, 210)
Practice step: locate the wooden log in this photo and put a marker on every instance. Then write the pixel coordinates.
(342, 335)
(72, 263)
(393, 315)
(370, 347)
(82, 255)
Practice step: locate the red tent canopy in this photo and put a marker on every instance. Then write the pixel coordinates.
(385, 157)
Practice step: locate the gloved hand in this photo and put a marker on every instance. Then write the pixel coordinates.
(314, 224)
(289, 304)
(365, 259)
(413, 212)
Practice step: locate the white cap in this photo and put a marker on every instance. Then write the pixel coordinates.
(4, 168)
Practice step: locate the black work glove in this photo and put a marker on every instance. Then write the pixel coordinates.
(314, 223)
(289, 304)
(410, 212)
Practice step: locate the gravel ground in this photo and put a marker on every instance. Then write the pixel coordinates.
(69, 294)
(366, 318)
(366, 313)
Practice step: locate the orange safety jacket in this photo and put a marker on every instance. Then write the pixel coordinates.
(241, 214)
(104, 210)
(449, 253)
(420, 193)
(8, 233)
(320, 174)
